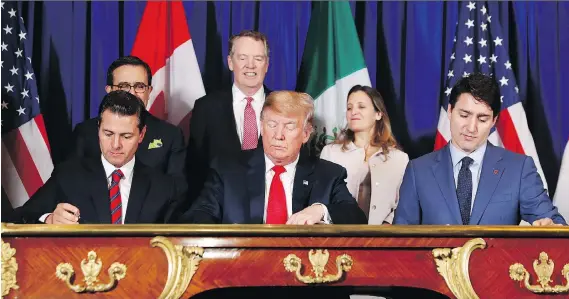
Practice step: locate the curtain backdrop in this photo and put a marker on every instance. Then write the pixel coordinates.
(407, 47)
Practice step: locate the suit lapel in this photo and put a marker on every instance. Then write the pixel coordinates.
(227, 114)
(137, 196)
(303, 182)
(143, 146)
(443, 173)
(490, 175)
(256, 186)
(99, 190)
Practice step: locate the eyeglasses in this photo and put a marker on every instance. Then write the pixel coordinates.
(138, 87)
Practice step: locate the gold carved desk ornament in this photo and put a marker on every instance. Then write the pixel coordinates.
(318, 259)
(452, 265)
(544, 268)
(91, 269)
(9, 269)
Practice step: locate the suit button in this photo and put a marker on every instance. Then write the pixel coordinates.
(373, 165)
(377, 183)
(373, 207)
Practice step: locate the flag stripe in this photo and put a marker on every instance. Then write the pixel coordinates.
(518, 115)
(157, 104)
(39, 152)
(506, 128)
(41, 127)
(444, 127)
(334, 50)
(11, 182)
(163, 23)
(330, 106)
(164, 42)
(495, 139)
(22, 160)
(180, 81)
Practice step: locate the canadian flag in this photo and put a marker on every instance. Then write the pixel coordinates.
(561, 197)
(164, 42)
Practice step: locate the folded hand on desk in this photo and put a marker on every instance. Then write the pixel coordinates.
(545, 222)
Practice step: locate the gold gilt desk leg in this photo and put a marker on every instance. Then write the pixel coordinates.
(452, 265)
(183, 262)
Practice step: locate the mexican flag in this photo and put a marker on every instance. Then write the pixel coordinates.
(332, 64)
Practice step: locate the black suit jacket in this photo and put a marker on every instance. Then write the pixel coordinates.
(235, 191)
(83, 183)
(169, 158)
(212, 133)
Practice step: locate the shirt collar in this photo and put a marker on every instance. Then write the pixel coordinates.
(126, 169)
(289, 167)
(456, 154)
(238, 95)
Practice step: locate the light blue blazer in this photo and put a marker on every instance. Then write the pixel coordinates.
(509, 189)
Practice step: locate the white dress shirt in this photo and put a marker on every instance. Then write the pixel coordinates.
(125, 183)
(239, 104)
(287, 178)
(475, 167)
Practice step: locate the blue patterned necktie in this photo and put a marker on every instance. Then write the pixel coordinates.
(464, 189)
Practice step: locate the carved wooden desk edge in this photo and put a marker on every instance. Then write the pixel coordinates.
(451, 262)
(267, 230)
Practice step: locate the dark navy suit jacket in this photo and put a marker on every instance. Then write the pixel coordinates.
(235, 191)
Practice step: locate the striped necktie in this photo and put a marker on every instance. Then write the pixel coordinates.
(115, 197)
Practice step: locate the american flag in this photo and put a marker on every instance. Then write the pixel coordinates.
(26, 159)
(480, 46)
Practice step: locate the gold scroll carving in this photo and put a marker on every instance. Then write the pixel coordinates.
(183, 262)
(452, 265)
(9, 269)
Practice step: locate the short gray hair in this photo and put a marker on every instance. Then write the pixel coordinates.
(256, 35)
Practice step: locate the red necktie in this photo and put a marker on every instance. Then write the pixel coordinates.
(115, 197)
(250, 132)
(276, 206)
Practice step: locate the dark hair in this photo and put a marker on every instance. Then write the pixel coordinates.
(128, 60)
(382, 135)
(258, 36)
(482, 87)
(125, 104)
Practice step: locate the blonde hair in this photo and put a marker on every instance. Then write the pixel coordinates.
(382, 135)
(291, 103)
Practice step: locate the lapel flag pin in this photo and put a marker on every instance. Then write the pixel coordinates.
(305, 183)
(495, 171)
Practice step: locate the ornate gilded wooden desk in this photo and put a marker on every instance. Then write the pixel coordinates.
(180, 261)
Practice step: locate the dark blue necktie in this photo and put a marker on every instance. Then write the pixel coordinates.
(464, 189)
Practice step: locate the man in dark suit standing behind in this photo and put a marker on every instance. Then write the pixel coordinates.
(114, 187)
(226, 122)
(277, 183)
(163, 145)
